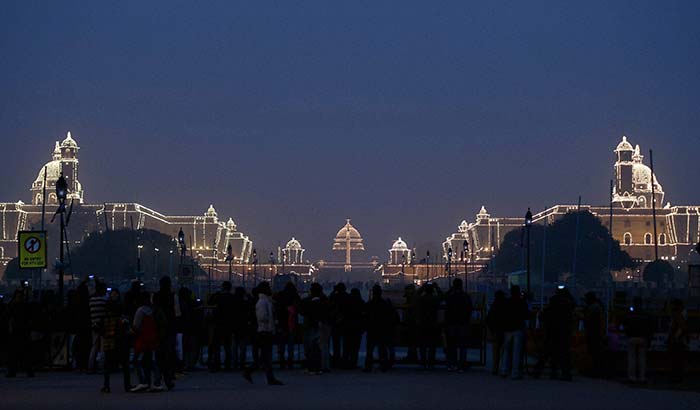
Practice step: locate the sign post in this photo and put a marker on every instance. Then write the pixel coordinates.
(32, 249)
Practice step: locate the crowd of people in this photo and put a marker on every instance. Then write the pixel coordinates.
(163, 333)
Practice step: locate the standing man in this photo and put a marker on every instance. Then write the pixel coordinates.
(265, 315)
(165, 300)
(593, 327)
(517, 313)
(98, 312)
(458, 313)
(638, 328)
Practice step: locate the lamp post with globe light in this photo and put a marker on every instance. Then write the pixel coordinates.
(528, 225)
(61, 195)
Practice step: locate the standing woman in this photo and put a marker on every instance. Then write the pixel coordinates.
(678, 341)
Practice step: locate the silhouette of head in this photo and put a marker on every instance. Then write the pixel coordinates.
(315, 290)
(264, 288)
(226, 286)
(457, 283)
(376, 292)
(165, 283)
(515, 291)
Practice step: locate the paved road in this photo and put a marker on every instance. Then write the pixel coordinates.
(407, 388)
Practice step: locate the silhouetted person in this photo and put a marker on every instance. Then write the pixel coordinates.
(339, 299)
(593, 327)
(558, 321)
(314, 308)
(113, 334)
(678, 341)
(638, 327)
(164, 300)
(287, 311)
(516, 315)
(354, 328)
(98, 311)
(458, 313)
(426, 308)
(265, 315)
(379, 319)
(409, 322)
(495, 321)
(240, 327)
(20, 318)
(147, 331)
(224, 305)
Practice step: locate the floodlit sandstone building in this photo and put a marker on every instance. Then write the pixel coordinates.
(634, 189)
(206, 234)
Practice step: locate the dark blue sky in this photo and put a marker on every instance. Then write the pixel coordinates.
(406, 116)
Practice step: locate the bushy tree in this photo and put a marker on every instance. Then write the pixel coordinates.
(592, 252)
(659, 272)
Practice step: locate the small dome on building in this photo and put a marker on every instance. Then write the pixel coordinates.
(230, 225)
(624, 145)
(399, 245)
(641, 175)
(211, 211)
(69, 142)
(293, 244)
(348, 234)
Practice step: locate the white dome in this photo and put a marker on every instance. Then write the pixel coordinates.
(69, 142)
(399, 245)
(230, 225)
(211, 211)
(293, 244)
(624, 145)
(641, 174)
(53, 171)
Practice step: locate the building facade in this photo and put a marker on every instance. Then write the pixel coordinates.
(634, 190)
(207, 236)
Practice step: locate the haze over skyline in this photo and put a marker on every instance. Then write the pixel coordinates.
(292, 117)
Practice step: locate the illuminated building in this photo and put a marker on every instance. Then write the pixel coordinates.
(348, 240)
(205, 233)
(678, 227)
(293, 253)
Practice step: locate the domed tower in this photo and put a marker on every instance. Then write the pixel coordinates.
(633, 179)
(64, 160)
(348, 239)
(399, 253)
(642, 180)
(293, 252)
(623, 189)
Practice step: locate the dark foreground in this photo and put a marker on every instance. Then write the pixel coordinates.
(399, 389)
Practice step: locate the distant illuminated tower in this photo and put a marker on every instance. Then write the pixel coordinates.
(399, 253)
(633, 179)
(64, 160)
(348, 239)
(293, 252)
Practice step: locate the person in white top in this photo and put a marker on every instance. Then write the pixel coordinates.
(264, 313)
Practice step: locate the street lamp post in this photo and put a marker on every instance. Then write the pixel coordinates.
(272, 262)
(155, 261)
(170, 264)
(403, 267)
(229, 259)
(183, 251)
(255, 266)
(427, 266)
(138, 259)
(465, 251)
(449, 263)
(528, 225)
(61, 195)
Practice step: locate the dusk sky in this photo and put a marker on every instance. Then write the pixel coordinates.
(404, 116)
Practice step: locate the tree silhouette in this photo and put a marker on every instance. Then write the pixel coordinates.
(592, 252)
(659, 272)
